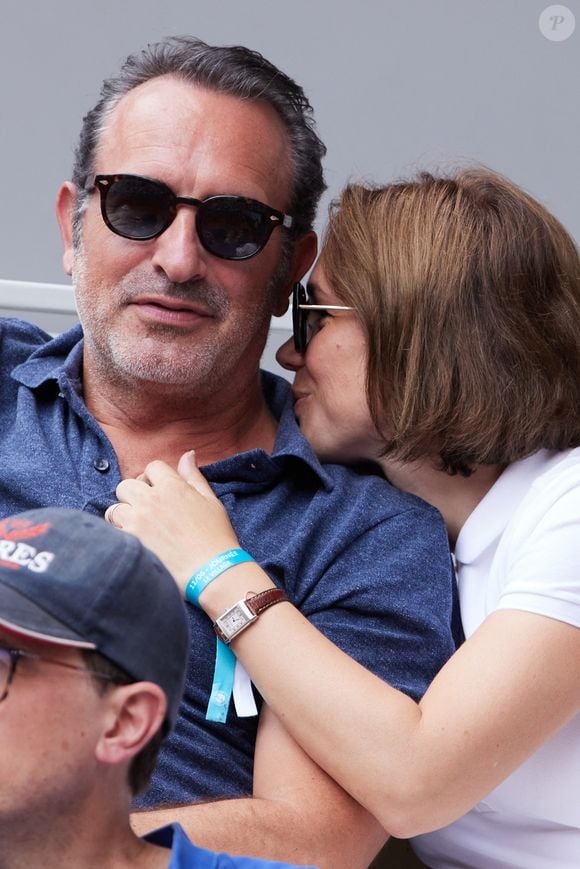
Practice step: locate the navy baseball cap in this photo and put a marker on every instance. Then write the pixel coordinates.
(69, 578)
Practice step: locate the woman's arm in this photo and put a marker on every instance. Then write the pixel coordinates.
(416, 767)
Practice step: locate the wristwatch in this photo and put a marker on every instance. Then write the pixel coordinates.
(241, 615)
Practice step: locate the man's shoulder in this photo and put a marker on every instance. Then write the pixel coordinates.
(30, 355)
(18, 339)
(366, 498)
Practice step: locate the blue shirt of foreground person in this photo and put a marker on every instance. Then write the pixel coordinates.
(93, 648)
(175, 300)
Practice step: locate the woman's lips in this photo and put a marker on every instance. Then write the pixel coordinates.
(299, 398)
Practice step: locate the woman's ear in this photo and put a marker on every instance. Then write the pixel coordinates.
(134, 715)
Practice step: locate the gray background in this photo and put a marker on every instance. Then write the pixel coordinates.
(395, 86)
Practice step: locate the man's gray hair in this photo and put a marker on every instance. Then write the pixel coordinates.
(232, 70)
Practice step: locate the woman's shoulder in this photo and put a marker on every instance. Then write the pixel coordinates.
(555, 487)
(561, 470)
(537, 563)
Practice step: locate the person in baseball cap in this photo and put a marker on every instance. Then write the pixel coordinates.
(93, 650)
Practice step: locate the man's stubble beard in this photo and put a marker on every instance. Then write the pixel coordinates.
(201, 365)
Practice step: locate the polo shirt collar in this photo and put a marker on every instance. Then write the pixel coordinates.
(290, 445)
(493, 513)
(60, 360)
(62, 355)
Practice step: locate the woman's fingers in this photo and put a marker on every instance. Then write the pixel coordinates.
(188, 471)
(157, 472)
(175, 514)
(110, 517)
(132, 491)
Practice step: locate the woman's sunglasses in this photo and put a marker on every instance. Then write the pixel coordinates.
(229, 227)
(303, 323)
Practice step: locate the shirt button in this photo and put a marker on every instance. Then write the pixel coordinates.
(101, 465)
(219, 698)
(252, 466)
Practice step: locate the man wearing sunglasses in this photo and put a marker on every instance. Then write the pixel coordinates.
(187, 221)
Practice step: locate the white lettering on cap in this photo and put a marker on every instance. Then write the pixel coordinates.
(23, 555)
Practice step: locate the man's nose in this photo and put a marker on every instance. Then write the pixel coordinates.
(178, 251)
(288, 357)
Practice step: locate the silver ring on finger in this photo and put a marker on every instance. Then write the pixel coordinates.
(110, 514)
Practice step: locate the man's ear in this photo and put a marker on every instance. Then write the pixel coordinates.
(134, 715)
(304, 255)
(65, 205)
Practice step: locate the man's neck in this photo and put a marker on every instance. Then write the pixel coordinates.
(159, 422)
(72, 844)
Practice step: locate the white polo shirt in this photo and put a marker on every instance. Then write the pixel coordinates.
(520, 549)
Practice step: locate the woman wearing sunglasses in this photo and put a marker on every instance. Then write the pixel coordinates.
(441, 341)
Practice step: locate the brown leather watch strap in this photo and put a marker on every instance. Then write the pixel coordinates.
(257, 603)
(245, 612)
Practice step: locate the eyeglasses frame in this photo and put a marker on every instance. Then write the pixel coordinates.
(18, 654)
(103, 184)
(300, 321)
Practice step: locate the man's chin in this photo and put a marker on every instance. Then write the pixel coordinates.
(160, 371)
(141, 364)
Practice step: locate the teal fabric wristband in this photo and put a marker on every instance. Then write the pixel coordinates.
(212, 569)
(223, 683)
(225, 660)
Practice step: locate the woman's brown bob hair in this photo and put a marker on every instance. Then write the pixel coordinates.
(469, 293)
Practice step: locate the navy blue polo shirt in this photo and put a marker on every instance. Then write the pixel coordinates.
(367, 564)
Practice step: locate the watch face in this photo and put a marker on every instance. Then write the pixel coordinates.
(233, 620)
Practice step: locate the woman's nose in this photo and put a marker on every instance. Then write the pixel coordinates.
(288, 357)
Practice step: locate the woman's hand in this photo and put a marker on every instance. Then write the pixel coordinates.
(175, 514)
